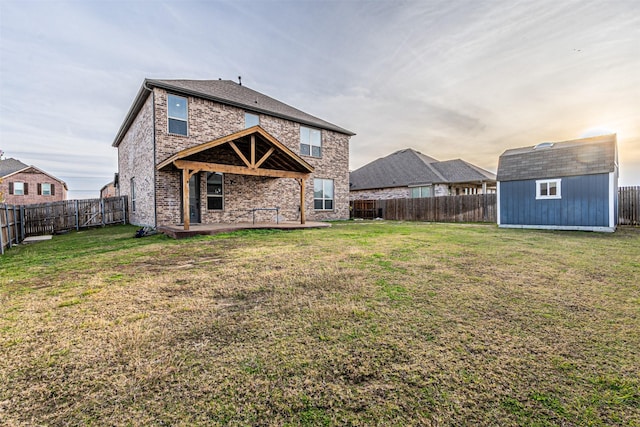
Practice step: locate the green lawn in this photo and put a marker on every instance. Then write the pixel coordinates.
(364, 323)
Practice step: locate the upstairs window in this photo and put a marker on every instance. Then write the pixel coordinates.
(418, 192)
(310, 142)
(251, 120)
(177, 114)
(46, 189)
(548, 189)
(19, 188)
(214, 191)
(323, 194)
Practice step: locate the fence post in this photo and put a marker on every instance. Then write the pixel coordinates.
(123, 200)
(102, 210)
(1, 235)
(15, 224)
(23, 232)
(77, 216)
(6, 209)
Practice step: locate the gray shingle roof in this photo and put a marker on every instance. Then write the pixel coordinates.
(230, 93)
(585, 156)
(9, 166)
(409, 167)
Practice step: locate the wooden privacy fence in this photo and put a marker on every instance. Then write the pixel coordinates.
(18, 222)
(471, 208)
(11, 226)
(629, 206)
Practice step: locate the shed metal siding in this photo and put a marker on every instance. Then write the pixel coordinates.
(584, 202)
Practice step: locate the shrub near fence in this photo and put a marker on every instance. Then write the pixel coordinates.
(471, 208)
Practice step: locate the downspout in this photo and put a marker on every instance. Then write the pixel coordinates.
(153, 115)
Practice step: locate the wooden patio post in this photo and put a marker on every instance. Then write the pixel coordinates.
(185, 198)
(303, 219)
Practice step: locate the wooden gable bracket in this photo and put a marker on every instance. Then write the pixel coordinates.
(251, 166)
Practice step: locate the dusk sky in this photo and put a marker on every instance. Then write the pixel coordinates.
(452, 79)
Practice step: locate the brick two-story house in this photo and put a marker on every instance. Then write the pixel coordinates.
(210, 151)
(22, 184)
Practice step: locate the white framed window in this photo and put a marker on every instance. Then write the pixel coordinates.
(251, 120)
(323, 194)
(548, 189)
(177, 114)
(215, 193)
(45, 189)
(19, 189)
(423, 191)
(310, 142)
(133, 195)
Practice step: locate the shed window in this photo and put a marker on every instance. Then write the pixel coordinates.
(548, 189)
(310, 142)
(177, 114)
(214, 191)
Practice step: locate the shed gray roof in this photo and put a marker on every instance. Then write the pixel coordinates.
(409, 167)
(585, 156)
(226, 92)
(9, 166)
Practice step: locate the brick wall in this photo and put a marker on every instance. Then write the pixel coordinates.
(400, 192)
(208, 121)
(381, 194)
(135, 160)
(32, 177)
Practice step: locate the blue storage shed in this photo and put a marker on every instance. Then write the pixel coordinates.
(569, 185)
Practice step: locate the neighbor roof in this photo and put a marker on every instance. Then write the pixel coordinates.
(409, 167)
(226, 92)
(587, 156)
(10, 166)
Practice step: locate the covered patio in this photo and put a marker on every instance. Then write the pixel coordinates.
(251, 152)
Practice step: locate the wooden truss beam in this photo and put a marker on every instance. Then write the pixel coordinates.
(238, 170)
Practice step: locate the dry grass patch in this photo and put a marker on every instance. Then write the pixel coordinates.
(360, 324)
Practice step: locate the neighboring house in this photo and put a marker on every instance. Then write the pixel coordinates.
(109, 190)
(410, 174)
(569, 185)
(209, 151)
(24, 185)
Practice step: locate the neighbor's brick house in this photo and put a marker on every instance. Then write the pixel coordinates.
(410, 174)
(109, 190)
(218, 149)
(22, 184)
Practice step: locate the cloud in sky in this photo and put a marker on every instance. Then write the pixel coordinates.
(453, 79)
